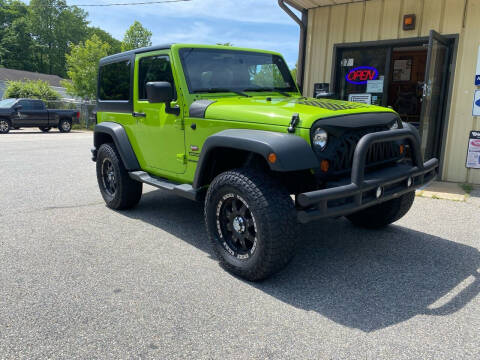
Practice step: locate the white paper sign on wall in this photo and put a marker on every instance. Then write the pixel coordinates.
(476, 104)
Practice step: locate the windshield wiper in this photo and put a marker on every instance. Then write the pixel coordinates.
(270, 89)
(219, 90)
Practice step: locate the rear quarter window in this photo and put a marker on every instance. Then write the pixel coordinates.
(38, 105)
(114, 84)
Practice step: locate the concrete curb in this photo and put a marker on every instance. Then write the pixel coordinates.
(443, 190)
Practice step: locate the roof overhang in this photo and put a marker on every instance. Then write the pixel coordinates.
(310, 4)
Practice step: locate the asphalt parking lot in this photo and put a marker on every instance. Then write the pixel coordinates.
(80, 281)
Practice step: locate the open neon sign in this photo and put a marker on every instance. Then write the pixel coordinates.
(360, 75)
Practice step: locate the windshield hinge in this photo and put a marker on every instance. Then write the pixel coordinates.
(293, 123)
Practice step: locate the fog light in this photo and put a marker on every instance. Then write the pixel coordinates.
(409, 182)
(379, 192)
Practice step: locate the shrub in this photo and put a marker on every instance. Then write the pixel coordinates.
(31, 89)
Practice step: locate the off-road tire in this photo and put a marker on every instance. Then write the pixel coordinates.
(64, 125)
(5, 126)
(273, 213)
(383, 214)
(127, 192)
(45, 129)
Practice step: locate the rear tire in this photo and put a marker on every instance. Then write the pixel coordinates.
(44, 129)
(5, 126)
(383, 214)
(64, 125)
(117, 188)
(251, 223)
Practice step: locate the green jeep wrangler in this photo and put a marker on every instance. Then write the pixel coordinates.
(229, 127)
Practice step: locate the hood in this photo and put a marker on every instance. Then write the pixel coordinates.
(279, 111)
(6, 111)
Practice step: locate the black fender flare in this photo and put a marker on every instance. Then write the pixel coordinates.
(293, 152)
(120, 138)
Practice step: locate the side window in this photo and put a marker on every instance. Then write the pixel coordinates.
(38, 105)
(153, 68)
(26, 105)
(115, 81)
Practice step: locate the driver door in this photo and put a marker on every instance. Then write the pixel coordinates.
(160, 135)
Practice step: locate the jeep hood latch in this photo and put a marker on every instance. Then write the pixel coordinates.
(293, 123)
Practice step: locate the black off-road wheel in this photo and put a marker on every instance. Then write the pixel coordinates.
(383, 214)
(251, 223)
(44, 129)
(117, 188)
(4, 126)
(64, 125)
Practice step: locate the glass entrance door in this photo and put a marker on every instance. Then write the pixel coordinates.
(433, 100)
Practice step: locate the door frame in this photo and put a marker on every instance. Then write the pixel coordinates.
(390, 44)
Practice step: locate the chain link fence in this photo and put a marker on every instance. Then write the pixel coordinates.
(86, 109)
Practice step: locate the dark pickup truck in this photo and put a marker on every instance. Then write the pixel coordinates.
(17, 113)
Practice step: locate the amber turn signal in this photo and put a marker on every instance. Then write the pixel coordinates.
(324, 165)
(402, 149)
(272, 158)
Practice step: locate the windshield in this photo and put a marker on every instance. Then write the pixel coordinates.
(221, 70)
(7, 103)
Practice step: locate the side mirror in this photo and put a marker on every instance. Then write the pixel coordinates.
(159, 92)
(18, 107)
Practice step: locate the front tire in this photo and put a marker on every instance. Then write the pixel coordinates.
(117, 188)
(251, 223)
(4, 126)
(383, 214)
(64, 125)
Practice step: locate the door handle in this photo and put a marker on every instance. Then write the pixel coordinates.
(138, 114)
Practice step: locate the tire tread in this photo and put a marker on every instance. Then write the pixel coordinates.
(274, 206)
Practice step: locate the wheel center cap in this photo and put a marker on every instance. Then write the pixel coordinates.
(239, 224)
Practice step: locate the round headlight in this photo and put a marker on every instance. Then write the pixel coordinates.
(320, 139)
(394, 125)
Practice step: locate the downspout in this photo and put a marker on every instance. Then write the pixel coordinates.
(303, 35)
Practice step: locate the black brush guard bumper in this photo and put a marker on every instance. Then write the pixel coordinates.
(359, 192)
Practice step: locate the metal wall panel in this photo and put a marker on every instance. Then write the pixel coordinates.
(382, 20)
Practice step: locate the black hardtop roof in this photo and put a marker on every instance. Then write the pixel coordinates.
(127, 54)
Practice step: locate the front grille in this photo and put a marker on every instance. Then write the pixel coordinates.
(344, 149)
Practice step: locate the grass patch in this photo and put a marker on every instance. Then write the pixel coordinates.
(467, 188)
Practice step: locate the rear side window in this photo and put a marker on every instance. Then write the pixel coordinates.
(153, 68)
(115, 81)
(38, 105)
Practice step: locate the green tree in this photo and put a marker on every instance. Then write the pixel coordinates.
(82, 67)
(136, 37)
(16, 43)
(54, 26)
(294, 73)
(32, 89)
(115, 45)
(267, 76)
(225, 44)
